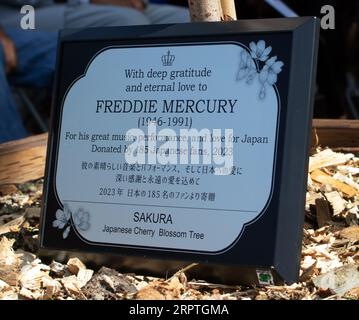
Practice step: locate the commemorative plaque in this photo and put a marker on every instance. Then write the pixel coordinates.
(173, 144)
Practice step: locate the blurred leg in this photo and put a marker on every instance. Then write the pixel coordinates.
(11, 127)
(55, 17)
(36, 58)
(91, 15)
(158, 14)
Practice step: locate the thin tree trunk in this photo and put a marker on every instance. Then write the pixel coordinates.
(205, 10)
(229, 10)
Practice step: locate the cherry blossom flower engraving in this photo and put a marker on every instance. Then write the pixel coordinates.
(269, 74)
(62, 217)
(247, 67)
(259, 51)
(81, 220)
(66, 232)
(256, 63)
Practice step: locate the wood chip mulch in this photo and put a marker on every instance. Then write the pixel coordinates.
(329, 264)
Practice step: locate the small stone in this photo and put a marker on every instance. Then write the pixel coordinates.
(106, 284)
(57, 268)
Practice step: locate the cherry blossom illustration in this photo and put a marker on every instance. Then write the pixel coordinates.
(259, 50)
(81, 220)
(247, 68)
(63, 220)
(269, 74)
(257, 64)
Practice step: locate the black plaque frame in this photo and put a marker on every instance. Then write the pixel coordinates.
(273, 243)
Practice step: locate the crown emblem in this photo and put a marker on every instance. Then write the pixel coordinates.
(168, 59)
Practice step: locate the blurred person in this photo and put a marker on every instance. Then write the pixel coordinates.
(27, 59)
(51, 15)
